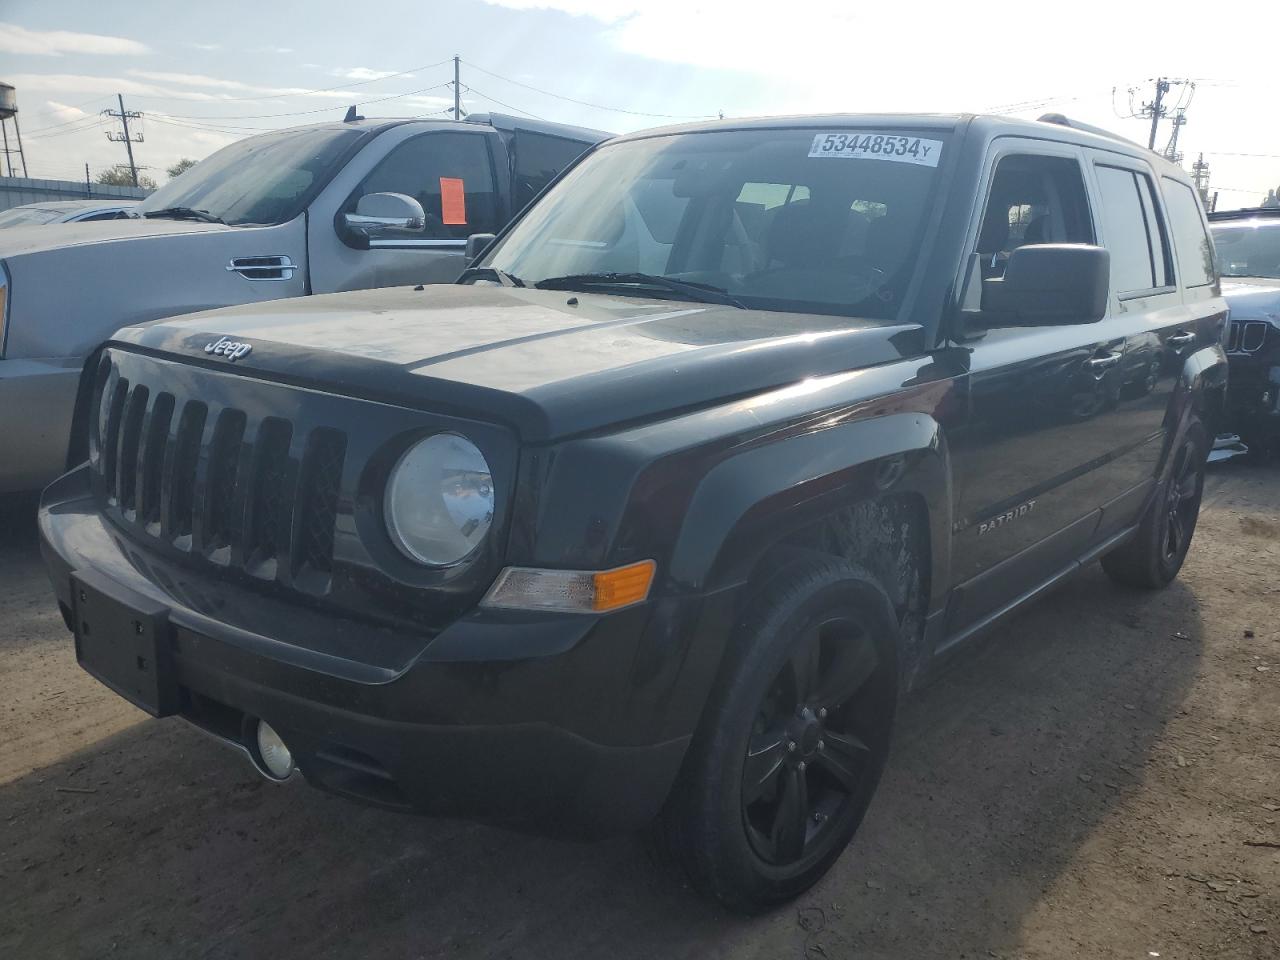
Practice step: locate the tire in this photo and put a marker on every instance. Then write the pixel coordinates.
(1155, 554)
(809, 688)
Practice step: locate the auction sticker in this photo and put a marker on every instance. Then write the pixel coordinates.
(856, 145)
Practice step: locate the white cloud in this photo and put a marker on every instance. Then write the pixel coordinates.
(205, 46)
(63, 113)
(365, 73)
(191, 80)
(82, 83)
(52, 43)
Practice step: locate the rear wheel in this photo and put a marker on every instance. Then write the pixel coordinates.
(791, 749)
(1156, 553)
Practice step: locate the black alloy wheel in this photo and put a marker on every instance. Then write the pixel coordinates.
(1154, 554)
(1182, 500)
(793, 738)
(810, 748)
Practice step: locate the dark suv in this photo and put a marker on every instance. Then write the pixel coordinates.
(1248, 257)
(655, 514)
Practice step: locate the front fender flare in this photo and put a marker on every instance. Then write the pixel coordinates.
(747, 502)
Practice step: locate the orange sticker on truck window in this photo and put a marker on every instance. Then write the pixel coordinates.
(453, 201)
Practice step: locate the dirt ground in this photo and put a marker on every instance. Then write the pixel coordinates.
(1099, 778)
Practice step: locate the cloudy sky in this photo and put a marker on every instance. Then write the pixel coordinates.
(203, 75)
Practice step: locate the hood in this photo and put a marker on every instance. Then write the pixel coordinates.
(550, 363)
(38, 238)
(72, 285)
(1252, 298)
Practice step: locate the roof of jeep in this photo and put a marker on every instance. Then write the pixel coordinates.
(986, 125)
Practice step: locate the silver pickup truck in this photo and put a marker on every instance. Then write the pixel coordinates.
(316, 209)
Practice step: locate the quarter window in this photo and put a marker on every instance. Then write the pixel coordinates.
(1195, 253)
(1138, 259)
(449, 174)
(538, 160)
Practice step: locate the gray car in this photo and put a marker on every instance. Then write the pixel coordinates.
(317, 209)
(65, 211)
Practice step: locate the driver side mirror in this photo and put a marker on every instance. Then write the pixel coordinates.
(1046, 285)
(377, 214)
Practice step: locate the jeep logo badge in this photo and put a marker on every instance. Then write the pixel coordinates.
(233, 350)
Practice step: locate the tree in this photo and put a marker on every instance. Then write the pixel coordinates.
(181, 167)
(119, 176)
(1273, 199)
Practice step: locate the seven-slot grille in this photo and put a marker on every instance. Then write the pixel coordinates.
(257, 493)
(1246, 336)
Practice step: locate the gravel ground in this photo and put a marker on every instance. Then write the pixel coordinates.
(1098, 778)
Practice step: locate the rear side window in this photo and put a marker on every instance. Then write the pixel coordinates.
(1195, 253)
(1134, 233)
(539, 158)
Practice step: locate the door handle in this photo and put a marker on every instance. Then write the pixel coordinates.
(1103, 362)
(1182, 338)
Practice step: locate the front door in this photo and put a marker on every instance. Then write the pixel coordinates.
(1031, 465)
(450, 173)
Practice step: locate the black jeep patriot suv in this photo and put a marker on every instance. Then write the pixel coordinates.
(654, 515)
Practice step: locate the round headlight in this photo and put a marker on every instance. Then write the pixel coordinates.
(439, 500)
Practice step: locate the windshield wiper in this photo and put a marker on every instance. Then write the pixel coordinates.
(692, 289)
(491, 273)
(185, 213)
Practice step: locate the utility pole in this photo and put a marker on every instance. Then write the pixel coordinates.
(1156, 110)
(457, 89)
(1200, 177)
(124, 117)
(88, 184)
(1179, 121)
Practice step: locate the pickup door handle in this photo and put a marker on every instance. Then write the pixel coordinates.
(1182, 338)
(1103, 362)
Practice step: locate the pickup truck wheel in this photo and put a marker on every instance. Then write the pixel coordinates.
(1156, 553)
(793, 742)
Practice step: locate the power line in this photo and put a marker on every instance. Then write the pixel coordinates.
(304, 113)
(594, 106)
(65, 123)
(84, 124)
(482, 94)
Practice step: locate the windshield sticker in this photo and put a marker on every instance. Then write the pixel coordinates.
(877, 146)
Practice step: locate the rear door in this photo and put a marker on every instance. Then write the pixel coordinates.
(1159, 330)
(452, 173)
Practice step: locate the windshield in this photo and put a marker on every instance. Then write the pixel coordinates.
(261, 180)
(1248, 251)
(792, 220)
(19, 216)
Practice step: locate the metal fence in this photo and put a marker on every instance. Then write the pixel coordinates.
(15, 191)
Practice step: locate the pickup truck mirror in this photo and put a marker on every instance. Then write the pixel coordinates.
(1048, 284)
(378, 213)
(477, 244)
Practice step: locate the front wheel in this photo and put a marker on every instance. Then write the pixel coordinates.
(1156, 553)
(794, 740)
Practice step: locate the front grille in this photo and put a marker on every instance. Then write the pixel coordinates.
(225, 485)
(1246, 336)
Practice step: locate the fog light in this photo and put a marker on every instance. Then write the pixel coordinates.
(275, 756)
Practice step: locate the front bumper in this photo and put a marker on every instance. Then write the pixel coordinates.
(562, 724)
(1253, 392)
